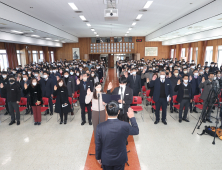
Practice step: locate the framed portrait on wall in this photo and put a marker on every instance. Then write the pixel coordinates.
(75, 53)
(151, 51)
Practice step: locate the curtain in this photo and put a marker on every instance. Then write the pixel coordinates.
(189, 52)
(12, 55)
(203, 53)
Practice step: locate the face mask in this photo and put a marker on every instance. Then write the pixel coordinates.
(11, 81)
(92, 75)
(196, 74)
(80, 69)
(185, 81)
(36, 75)
(193, 67)
(207, 70)
(201, 72)
(154, 68)
(211, 65)
(60, 84)
(218, 75)
(99, 67)
(185, 72)
(171, 66)
(54, 71)
(215, 78)
(34, 83)
(134, 72)
(77, 74)
(129, 71)
(176, 74)
(24, 79)
(45, 76)
(4, 76)
(162, 76)
(66, 76)
(178, 68)
(71, 73)
(98, 89)
(84, 78)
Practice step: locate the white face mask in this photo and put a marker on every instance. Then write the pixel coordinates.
(196, 74)
(80, 69)
(66, 76)
(162, 76)
(60, 84)
(215, 78)
(67, 69)
(29, 72)
(201, 72)
(122, 85)
(185, 72)
(34, 83)
(71, 73)
(134, 72)
(98, 89)
(193, 67)
(84, 78)
(77, 74)
(176, 74)
(24, 79)
(185, 81)
(92, 75)
(36, 75)
(45, 76)
(4, 76)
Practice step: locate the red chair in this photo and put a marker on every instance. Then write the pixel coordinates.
(137, 100)
(43, 109)
(75, 96)
(23, 106)
(144, 90)
(196, 100)
(176, 105)
(2, 104)
(101, 81)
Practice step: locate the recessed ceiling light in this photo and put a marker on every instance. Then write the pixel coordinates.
(130, 28)
(73, 6)
(19, 32)
(148, 4)
(92, 29)
(97, 35)
(82, 17)
(34, 35)
(88, 25)
(139, 16)
(48, 38)
(95, 32)
(127, 32)
(134, 23)
(56, 40)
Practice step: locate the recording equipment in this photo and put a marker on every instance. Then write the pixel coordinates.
(212, 99)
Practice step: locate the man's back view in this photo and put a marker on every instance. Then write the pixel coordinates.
(111, 137)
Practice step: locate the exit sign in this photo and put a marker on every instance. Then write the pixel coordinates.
(138, 40)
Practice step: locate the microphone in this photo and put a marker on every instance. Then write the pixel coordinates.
(98, 95)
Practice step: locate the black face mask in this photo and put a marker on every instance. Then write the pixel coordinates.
(11, 81)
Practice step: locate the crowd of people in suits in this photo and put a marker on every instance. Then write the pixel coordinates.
(166, 78)
(55, 81)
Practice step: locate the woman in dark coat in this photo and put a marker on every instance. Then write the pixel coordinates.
(62, 105)
(35, 92)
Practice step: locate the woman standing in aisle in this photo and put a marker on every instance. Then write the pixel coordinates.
(35, 92)
(62, 105)
(96, 107)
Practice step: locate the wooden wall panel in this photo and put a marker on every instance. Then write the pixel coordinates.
(2, 45)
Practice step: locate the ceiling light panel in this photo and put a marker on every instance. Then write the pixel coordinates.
(82, 17)
(73, 6)
(139, 16)
(147, 5)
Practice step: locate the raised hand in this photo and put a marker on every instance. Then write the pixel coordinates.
(170, 75)
(25, 86)
(203, 79)
(110, 86)
(1, 85)
(154, 77)
(178, 82)
(88, 91)
(77, 81)
(147, 80)
(126, 74)
(80, 77)
(190, 78)
(130, 112)
(55, 87)
(144, 71)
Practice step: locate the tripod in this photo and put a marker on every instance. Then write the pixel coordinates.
(212, 98)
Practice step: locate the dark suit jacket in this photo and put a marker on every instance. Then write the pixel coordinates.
(156, 85)
(195, 85)
(111, 137)
(180, 91)
(47, 88)
(22, 88)
(135, 86)
(128, 96)
(70, 85)
(83, 91)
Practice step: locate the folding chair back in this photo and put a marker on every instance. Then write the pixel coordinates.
(137, 100)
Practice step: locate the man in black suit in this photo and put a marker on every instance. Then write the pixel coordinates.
(184, 97)
(47, 87)
(126, 94)
(83, 86)
(134, 82)
(162, 91)
(111, 137)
